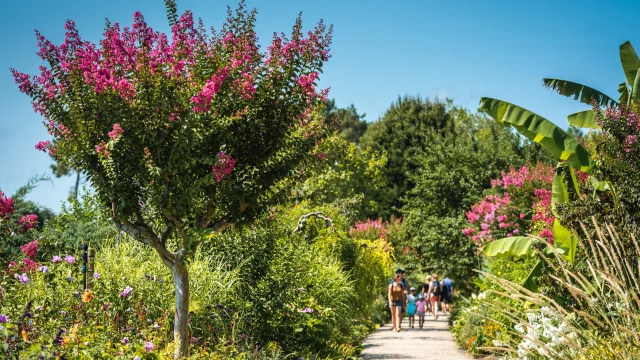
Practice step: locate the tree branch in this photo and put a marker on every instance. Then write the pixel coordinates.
(142, 233)
(319, 214)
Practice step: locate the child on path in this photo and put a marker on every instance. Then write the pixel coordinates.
(421, 305)
(411, 306)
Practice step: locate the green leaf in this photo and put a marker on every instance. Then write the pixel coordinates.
(623, 89)
(635, 89)
(579, 92)
(529, 283)
(565, 240)
(540, 130)
(564, 186)
(558, 194)
(630, 61)
(584, 119)
(602, 186)
(517, 246)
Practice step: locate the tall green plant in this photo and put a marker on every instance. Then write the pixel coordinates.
(629, 90)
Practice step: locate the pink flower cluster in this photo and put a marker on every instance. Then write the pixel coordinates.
(116, 132)
(224, 167)
(542, 214)
(30, 249)
(541, 172)
(43, 145)
(202, 101)
(376, 228)
(6, 206)
(490, 214)
(28, 222)
(126, 58)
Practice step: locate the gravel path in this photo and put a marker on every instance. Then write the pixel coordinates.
(433, 341)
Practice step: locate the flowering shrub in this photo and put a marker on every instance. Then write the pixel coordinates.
(46, 313)
(520, 203)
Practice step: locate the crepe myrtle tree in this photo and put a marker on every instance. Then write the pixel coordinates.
(181, 133)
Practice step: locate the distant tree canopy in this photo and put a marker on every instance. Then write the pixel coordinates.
(351, 125)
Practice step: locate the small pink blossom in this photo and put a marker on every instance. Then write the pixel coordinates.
(224, 167)
(116, 132)
(43, 145)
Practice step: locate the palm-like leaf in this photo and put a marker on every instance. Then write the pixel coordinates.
(517, 246)
(540, 130)
(579, 92)
(584, 119)
(630, 62)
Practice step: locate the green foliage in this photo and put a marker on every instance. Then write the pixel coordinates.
(348, 177)
(351, 124)
(407, 129)
(538, 129)
(517, 246)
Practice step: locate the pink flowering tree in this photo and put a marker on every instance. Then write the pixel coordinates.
(181, 133)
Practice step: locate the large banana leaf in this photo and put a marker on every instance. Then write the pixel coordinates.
(623, 89)
(630, 62)
(635, 89)
(579, 92)
(565, 240)
(517, 246)
(584, 119)
(540, 130)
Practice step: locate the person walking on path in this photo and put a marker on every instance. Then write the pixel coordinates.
(411, 306)
(396, 302)
(425, 292)
(421, 306)
(434, 296)
(447, 294)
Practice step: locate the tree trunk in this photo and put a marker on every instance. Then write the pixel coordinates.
(180, 327)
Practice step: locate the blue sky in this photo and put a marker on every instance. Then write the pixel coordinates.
(382, 49)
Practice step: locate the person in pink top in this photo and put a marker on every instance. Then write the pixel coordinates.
(421, 305)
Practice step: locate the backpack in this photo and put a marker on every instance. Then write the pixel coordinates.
(436, 287)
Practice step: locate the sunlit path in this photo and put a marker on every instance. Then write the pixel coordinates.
(433, 341)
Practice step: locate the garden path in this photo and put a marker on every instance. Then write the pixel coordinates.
(433, 341)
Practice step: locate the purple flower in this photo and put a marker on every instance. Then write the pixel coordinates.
(243, 337)
(23, 278)
(126, 291)
(63, 313)
(43, 269)
(56, 259)
(96, 275)
(70, 259)
(3, 319)
(125, 340)
(136, 358)
(307, 310)
(156, 326)
(148, 346)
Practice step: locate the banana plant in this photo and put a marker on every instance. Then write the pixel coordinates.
(629, 90)
(538, 129)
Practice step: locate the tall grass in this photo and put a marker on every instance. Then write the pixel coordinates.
(599, 318)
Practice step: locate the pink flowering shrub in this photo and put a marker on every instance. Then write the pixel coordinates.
(369, 228)
(520, 204)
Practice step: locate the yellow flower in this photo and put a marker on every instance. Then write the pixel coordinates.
(87, 296)
(25, 337)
